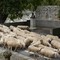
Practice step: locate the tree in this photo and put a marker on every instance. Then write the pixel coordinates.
(14, 8)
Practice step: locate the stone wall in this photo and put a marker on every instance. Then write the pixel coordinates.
(47, 13)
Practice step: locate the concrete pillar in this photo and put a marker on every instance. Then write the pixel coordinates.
(32, 22)
(51, 31)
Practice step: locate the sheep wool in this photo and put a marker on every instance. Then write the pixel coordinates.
(48, 52)
(34, 49)
(55, 44)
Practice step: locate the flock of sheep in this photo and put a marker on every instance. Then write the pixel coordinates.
(17, 38)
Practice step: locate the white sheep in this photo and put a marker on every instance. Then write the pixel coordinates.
(48, 52)
(46, 41)
(36, 43)
(27, 42)
(32, 48)
(55, 44)
(22, 27)
(1, 41)
(52, 37)
(12, 42)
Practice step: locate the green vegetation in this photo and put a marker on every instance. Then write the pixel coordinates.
(14, 8)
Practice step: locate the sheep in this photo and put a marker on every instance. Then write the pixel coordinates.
(40, 45)
(48, 52)
(36, 43)
(19, 38)
(33, 38)
(1, 25)
(4, 29)
(55, 44)
(19, 44)
(12, 42)
(33, 34)
(43, 36)
(17, 31)
(22, 41)
(34, 49)
(22, 27)
(12, 34)
(1, 41)
(52, 37)
(6, 38)
(55, 50)
(46, 41)
(1, 29)
(27, 42)
(26, 32)
(11, 27)
(59, 51)
(23, 44)
(1, 34)
(14, 29)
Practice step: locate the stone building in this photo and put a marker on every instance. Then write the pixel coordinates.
(47, 19)
(47, 13)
